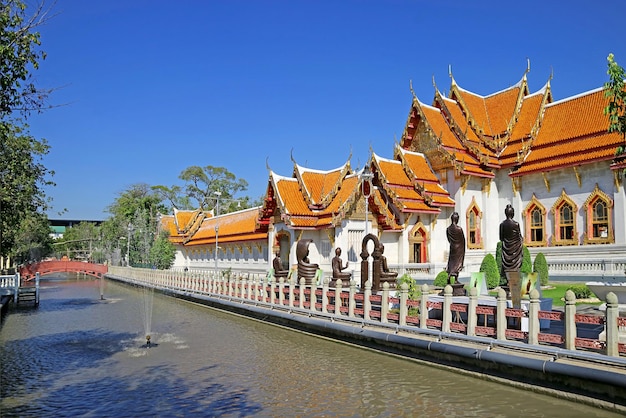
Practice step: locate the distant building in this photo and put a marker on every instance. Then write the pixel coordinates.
(59, 226)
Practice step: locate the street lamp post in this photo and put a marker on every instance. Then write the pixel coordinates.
(366, 177)
(130, 229)
(218, 198)
(218, 194)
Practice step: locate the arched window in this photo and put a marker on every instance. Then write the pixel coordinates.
(473, 219)
(564, 211)
(535, 215)
(418, 243)
(599, 211)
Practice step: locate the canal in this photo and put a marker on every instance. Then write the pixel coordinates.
(79, 355)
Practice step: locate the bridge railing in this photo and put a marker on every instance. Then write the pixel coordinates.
(29, 271)
(476, 318)
(9, 284)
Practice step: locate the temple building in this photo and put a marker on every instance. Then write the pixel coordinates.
(554, 161)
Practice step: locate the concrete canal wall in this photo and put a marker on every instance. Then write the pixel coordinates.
(584, 376)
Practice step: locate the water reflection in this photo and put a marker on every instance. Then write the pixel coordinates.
(78, 355)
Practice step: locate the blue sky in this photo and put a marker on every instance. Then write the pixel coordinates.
(150, 87)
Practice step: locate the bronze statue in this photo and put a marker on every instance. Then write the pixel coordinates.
(385, 274)
(278, 267)
(306, 270)
(338, 267)
(512, 242)
(456, 238)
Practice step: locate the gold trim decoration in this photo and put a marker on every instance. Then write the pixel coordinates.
(578, 179)
(473, 207)
(556, 240)
(535, 203)
(546, 181)
(595, 195)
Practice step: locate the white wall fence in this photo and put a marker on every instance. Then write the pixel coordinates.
(392, 307)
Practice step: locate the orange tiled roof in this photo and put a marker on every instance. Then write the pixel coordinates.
(295, 208)
(233, 227)
(320, 186)
(395, 181)
(573, 132)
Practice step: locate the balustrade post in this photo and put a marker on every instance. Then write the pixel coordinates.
(501, 320)
(37, 277)
(325, 295)
(313, 299)
(351, 299)
(338, 286)
(570, 320)
(424, 306)
(301, 288)
(404, 308)
(472, 318)
(292, 284)
(248, 287)
(273, 291)
(610, 323)
(533, 317)
(281, 291)
(446, 311)
(384, 304)
(367, 300)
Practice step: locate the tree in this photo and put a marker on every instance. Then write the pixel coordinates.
(203, 182)
(134, 222)
(22, 175)
(163, 252)
(614, 91)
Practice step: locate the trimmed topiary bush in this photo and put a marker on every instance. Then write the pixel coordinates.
(503, 280)
(541, 267)
(527, 265)
(442, 279)
(490, 268)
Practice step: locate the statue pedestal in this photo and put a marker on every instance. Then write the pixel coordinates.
(458, 289)
(515, 286)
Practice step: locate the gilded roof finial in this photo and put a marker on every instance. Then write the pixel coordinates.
(411, 88)
(527, 66)
(267, 164)
(293, 160)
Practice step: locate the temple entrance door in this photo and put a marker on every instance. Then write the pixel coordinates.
(284, 242)
(418, 241)
(417, 252)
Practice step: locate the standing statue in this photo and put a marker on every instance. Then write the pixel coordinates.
(512, 242)
(456, 238)
(338, 267)
(277, 264)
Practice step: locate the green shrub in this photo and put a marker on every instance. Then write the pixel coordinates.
(503, 280)
(581, 291)
(541, 267)
(414, 291)
(490, 268)
(527, 265)
(442, 279)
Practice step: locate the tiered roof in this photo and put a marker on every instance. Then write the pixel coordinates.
(232, 227)
(514, 129)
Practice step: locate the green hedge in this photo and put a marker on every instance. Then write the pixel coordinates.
(442, 279)
(541, 267)
(581, 291)
(490, 268)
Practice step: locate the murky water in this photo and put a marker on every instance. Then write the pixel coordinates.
(77, 355)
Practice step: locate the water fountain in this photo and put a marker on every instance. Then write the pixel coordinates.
(147, 299)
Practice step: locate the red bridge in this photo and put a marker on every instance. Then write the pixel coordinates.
(61, 266)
